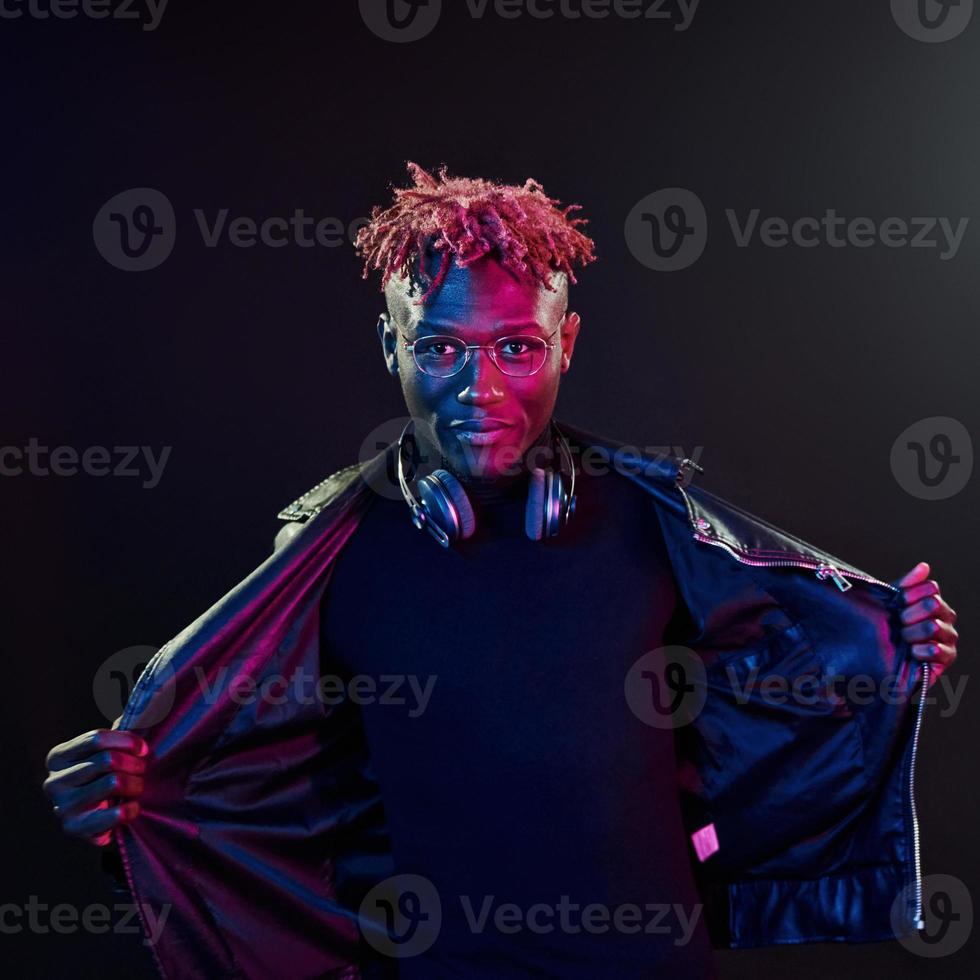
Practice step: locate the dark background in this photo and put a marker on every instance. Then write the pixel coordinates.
(794, 370)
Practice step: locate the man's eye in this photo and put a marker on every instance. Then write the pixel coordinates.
(515, 347)
(438, 347)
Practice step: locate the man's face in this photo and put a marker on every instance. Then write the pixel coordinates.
(483, 419)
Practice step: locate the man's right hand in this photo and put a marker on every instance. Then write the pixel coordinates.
(85, 772)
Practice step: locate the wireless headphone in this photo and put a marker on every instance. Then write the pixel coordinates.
(443, 509)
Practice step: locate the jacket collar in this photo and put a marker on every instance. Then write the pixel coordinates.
(715, 521)
(668, 478)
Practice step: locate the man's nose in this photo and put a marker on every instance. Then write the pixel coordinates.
(482, 381)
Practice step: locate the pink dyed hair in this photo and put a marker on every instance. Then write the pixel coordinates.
(467, 217)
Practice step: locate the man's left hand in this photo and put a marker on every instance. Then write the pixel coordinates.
(928, 621)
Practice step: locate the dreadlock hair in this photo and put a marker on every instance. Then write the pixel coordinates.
(467, 218)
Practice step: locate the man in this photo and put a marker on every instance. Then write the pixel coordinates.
(526, 815)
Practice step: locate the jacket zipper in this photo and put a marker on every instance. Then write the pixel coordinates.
(824, 571)
(919, 923)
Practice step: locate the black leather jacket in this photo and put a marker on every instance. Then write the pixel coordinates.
(261, 822)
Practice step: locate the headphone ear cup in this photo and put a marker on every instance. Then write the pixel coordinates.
(552, 503)
(534, 509)
(457, 497)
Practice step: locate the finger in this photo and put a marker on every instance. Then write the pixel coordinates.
(111, 784)
(105, 838)
(931, 629)
(61, 781)
(931, 607)
(68, 753)
(920, 591)
(943, 653)
(935, 672)
(90, 823)
(915, 575)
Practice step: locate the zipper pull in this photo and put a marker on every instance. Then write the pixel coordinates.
(828, 571)
(684, 471)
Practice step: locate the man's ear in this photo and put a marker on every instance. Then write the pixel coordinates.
(569, 333)
(388, 336)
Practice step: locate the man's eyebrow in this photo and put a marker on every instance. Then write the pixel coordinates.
(500, 329)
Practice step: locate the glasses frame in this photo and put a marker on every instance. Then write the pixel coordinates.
(489, 348)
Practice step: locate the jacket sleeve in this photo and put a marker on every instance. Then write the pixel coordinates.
(254, 781)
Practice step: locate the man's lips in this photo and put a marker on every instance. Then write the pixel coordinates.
(486, 424)
(480, 432)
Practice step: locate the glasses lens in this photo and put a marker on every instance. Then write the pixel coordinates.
(520, 356)
(439, 357)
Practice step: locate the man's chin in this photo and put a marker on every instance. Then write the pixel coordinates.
(485, 455)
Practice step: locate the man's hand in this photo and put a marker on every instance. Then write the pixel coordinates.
(86, 771)
(928, 621)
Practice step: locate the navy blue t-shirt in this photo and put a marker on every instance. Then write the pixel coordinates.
(515, 778)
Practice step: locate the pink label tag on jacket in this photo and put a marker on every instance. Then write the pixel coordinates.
(705, 841)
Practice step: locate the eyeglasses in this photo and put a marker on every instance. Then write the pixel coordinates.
(519, 356)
